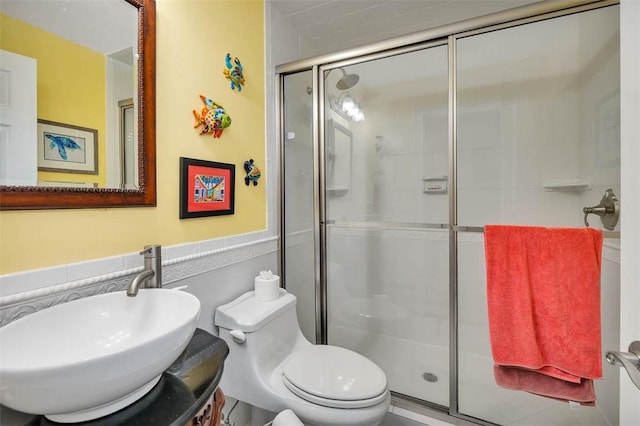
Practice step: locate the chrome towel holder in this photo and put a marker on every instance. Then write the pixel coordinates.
(608, 210)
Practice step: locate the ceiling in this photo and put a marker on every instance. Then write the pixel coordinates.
(328, 25)
(333, 25)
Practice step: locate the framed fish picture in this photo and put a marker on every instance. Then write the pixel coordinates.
(67, 148)
(207, 188)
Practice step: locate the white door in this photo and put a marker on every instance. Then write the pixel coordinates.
(630, 200)
(18, 120)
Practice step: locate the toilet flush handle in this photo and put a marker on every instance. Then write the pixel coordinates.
(238, 336)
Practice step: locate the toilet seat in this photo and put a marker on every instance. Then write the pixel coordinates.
(334, 377)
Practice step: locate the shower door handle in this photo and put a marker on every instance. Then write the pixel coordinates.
(629, 360)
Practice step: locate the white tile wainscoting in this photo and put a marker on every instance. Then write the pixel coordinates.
(204, 265)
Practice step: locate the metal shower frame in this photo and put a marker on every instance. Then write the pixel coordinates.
(444, 35)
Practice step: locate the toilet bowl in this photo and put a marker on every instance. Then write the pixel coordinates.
(273, 367)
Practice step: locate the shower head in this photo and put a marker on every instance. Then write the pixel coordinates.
(347, 81)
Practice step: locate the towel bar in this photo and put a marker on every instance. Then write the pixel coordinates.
(606, 234)
(435, 226)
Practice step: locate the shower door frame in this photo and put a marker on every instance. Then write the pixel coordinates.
(445, 35)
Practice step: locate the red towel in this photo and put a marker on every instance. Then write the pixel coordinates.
(543, 294)
(539, 384)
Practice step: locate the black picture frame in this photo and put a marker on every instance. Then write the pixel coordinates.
(207, 188)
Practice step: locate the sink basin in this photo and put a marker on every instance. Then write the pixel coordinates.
(87, 358)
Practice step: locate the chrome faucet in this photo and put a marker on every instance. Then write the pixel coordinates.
(151, 276)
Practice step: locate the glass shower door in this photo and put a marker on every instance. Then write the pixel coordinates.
(298, 224)
(538, 138)
(387, 239)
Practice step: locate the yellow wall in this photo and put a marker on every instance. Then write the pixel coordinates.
(71, 85)
(193, 38)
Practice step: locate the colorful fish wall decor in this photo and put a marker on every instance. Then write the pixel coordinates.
(234, 72)
(213, 118)
(253, 173)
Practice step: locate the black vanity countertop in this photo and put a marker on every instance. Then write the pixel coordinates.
(182, 391)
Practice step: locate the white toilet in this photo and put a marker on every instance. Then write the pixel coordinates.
(272, 366)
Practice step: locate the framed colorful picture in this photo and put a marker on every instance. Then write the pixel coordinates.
(66, 148)
(206, 188)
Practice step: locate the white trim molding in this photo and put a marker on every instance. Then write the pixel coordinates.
(14, 306)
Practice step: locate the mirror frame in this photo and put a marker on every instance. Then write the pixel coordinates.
(34, 197)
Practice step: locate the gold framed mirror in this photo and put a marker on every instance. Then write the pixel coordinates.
(26, 197)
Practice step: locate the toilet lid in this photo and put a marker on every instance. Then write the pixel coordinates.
(335, 377)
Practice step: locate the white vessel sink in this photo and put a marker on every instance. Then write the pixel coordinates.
(87, 358)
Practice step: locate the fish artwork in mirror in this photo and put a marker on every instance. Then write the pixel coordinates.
(77, 117)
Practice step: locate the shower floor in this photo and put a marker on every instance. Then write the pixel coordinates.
(405, 361)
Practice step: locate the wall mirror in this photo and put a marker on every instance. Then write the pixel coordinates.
(338, 158)
(90, 135)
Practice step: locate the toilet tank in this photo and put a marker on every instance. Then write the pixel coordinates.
(249, 315)
(269, 333)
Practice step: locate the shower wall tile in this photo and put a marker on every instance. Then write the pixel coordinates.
(472, 306)
(553, 161)
(478, 207)
(404, 205)
(300, 280)
(399, 137)
(482, 169)
(433, 208)
(406, 271)
(481, 127)
(430, 167)
(407, 172)
(441, 162)
(567, 115)
(553, 116)
(534, 207)
(432, 126)
(518, 160)
(521, 207)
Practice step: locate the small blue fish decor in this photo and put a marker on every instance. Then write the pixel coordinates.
(234, 72)
(213, 118)
(253, 173)
(63, 143)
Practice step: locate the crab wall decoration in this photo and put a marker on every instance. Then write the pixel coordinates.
(212, 117)
(234, 72)
(253, 173)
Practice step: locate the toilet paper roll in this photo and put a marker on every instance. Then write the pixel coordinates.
(267, 286)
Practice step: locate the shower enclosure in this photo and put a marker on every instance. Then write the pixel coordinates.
(396, 156)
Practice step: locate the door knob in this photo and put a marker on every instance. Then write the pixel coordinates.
(629, 360)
